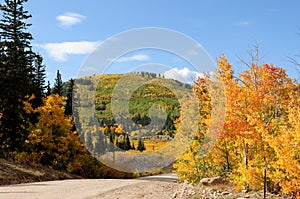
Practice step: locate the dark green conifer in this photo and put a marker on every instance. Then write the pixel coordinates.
(58, 85)
(69, 94)
(141, 147)
(127, 145)
(17, 72)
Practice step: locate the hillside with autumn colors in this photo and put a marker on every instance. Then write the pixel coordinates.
(94, 96)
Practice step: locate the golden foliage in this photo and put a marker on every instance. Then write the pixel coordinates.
(51, 140)
(261, 130)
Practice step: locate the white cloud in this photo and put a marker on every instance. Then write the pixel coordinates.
(138, 57)
(184, 75)
(60, 51)
(243, 23)
(69, 19)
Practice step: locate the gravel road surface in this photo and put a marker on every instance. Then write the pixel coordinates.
(160, 186)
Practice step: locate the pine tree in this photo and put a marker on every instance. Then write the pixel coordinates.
(127, 145)
(68, 93)
(38, 82)
(58, 85)
(48, 89)
(16, 74)
(111, 138)
(141, 147)
(100, 145)
(110, 143)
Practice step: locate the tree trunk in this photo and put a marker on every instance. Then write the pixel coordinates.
(265, 183)
(245, 146)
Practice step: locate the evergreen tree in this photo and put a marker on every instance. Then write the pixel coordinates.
(111, 141)
(111, 138)
(38, 82)
(58, 85)
(100, 143)
(127, 145)
(16, 74)
(77, 124)
(48, 89)
(141, 147)
(69, 94)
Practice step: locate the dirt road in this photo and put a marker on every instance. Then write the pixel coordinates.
(160, 186)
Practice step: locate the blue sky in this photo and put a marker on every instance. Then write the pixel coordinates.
(66, 31)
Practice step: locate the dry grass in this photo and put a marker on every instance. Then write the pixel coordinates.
(14, 173)
(24, 170)
(152, 145)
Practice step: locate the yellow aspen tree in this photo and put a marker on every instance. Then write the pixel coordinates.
(286, 144)
(51, 141)
(260, 133)
(256, 111)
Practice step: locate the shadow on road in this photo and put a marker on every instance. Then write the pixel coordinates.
(161, 178)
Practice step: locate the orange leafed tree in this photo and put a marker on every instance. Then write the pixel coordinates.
(286, 145)
(260, 127)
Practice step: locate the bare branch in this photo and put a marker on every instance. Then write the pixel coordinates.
(296, 63)
(254, 55)
(246, 63)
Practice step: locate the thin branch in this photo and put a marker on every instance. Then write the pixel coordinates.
(254, 56)
(296, 63)
(241, 58)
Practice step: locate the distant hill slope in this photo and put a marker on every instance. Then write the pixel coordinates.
(153, 90)
(115, 112)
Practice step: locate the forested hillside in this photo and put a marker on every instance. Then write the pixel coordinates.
(105, 129)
